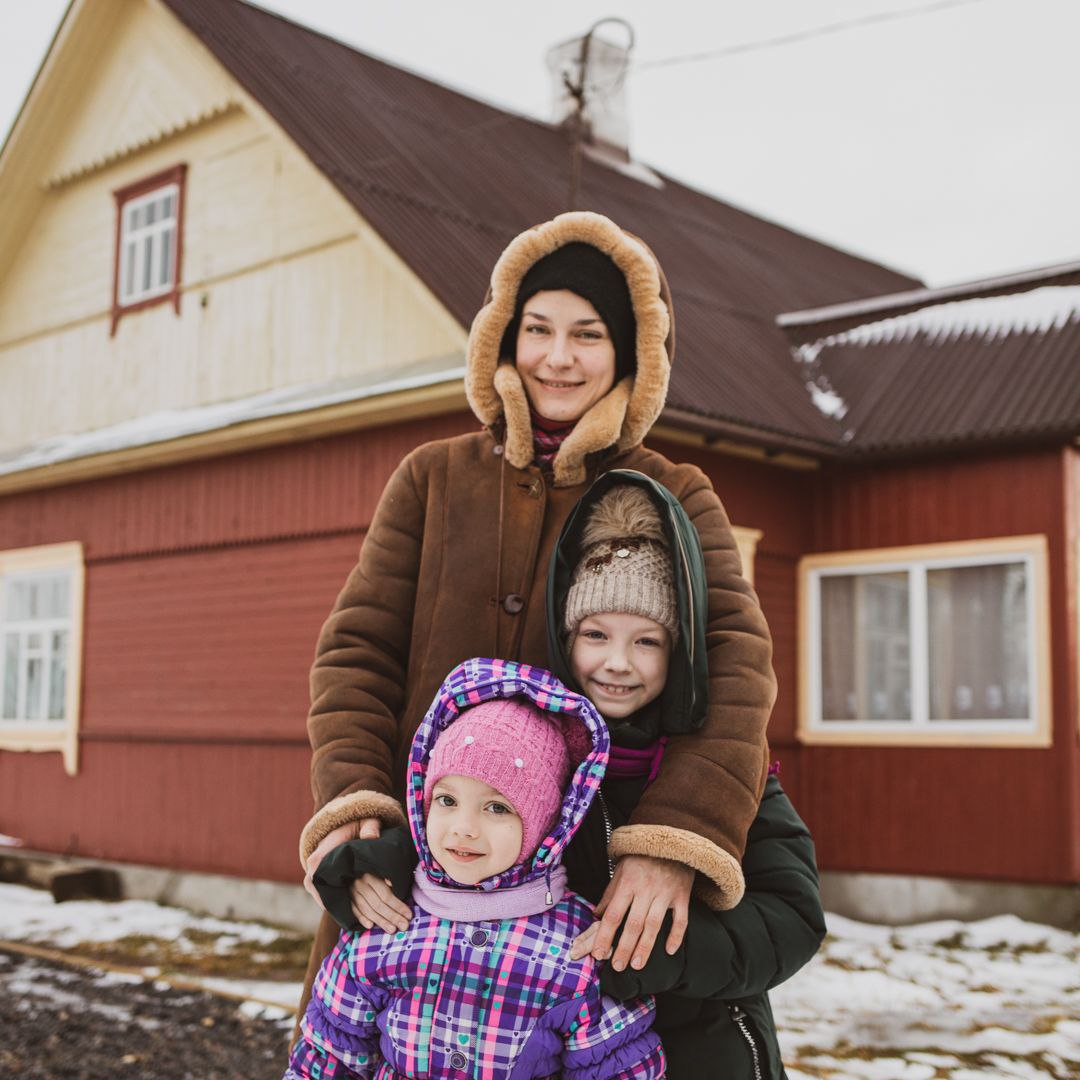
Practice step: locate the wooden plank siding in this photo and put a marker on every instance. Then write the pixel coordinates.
(206, 587)
(961, 812)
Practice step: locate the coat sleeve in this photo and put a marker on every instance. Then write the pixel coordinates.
(612, 1040)
(338, 1033)
(700, 806)
(358, 678)
(776, 928)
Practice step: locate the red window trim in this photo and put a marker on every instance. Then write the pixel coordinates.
(176, 175)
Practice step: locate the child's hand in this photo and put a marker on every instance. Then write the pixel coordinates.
(374, 904)
(647, 889)
(367, 829)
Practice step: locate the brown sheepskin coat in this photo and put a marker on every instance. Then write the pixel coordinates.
(455, 565)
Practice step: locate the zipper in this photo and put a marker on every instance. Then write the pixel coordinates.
(607, 834)
(739, 1016)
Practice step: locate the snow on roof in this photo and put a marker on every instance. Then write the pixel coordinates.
(1033, 312)
(178, 423)
(987, 317)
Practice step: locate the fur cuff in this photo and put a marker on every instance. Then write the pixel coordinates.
(344, 809)
(721, 885)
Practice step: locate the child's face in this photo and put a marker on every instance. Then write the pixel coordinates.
(473, 832)
(620, 661)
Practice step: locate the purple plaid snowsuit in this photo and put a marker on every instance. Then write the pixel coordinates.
(487, 999)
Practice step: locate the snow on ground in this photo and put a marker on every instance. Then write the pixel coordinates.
(1000, 997)
(996, 998)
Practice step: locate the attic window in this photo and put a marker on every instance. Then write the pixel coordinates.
(149, 234)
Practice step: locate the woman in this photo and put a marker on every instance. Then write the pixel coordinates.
(567, 368)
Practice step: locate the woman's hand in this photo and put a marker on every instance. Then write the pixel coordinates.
(365, 829)
(647, 889)
(374, 904)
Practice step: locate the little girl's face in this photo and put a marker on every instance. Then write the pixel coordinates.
(620, 661)
(473, 832)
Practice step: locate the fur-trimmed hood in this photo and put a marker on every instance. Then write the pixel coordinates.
(479, 680)
(622, 418)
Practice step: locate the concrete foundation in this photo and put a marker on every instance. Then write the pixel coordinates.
(896, 900)
(891, 899)
(207, 894)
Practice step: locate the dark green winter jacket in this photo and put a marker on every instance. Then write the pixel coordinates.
(713, 1013)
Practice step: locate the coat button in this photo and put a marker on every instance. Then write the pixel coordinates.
(479, 937)
(458, 1060)
(513, 603)
(497, 449)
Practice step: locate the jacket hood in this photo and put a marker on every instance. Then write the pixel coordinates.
(480, 680)
(683, 703)
(622, 418)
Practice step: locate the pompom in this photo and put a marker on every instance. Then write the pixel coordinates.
(623, 513)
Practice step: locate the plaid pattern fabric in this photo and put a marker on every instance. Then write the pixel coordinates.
(480, 999)
(452, 999)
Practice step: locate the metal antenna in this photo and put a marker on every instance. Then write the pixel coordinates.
(575, 123)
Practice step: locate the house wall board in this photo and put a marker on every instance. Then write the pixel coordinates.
(990, 813)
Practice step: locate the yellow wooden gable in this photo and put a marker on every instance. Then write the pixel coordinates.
(290, 308)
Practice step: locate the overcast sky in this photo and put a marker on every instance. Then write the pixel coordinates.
(943, 143)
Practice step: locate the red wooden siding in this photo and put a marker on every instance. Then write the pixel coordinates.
(206, 586)
(207, 583)
(978, 813)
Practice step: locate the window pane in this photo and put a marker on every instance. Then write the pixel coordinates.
(11, 676)
(978, 637)
(17, 600)
(147, 263)
(129, 270)
(34, 686)
(151, 211)
(168, 205)
(865, 651)
(165, 274)
(57, 674)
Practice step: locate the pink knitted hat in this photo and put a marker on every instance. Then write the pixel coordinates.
(516, 748)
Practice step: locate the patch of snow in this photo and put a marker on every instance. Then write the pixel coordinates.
(284, 995)
(33, 916)
(10, 841)
(827, 400)
(1036, 311)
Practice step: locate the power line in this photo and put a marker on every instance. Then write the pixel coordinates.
(803, 35)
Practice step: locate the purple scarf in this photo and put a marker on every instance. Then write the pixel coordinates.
(509, 902)
(627, 763)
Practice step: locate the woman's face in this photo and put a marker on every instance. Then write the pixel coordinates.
(565, 355)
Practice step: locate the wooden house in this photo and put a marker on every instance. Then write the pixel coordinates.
(238, 261)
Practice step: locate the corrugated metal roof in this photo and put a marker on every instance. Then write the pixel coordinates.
(1000, 367)
(448, 180)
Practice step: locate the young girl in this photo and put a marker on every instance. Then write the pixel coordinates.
(481, 981)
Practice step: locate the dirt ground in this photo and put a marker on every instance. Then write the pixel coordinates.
(59, 1022)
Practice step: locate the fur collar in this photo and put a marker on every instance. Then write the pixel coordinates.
(622, 418)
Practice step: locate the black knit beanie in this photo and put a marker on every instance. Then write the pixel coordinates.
(588, 272)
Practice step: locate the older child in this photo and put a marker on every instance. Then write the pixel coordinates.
(481, 982)
(626, 601)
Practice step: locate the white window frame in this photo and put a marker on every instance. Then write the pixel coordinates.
(916, 561)
(132, 239)
(60, 735)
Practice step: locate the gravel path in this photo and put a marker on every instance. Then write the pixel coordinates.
(67, 1022)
